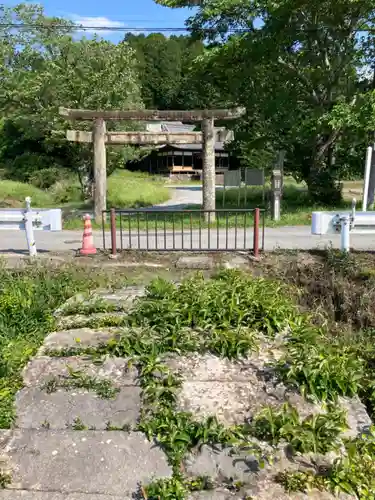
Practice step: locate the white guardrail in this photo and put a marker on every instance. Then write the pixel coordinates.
(30, 220)
(344, 223)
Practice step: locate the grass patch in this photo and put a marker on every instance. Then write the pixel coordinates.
(296, 205)
(28, 298)
(135, 190)
(124, 190)
(226, 315)
(13, 194)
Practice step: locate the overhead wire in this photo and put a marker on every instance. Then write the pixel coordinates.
(81, 27)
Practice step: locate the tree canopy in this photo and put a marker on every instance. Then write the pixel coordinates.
(44, 68)
(304, 71)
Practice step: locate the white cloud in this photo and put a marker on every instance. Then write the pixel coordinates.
(90, 23)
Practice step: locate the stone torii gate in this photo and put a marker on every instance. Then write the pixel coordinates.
(100, 137)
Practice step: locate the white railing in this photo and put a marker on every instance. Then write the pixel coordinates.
(30, 219)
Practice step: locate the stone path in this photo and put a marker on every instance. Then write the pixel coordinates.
(77, 441)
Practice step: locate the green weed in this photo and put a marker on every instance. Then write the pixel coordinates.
(323, 369)
(352, 473)
(78, 425)
(78, 380)
(229, 300)
(28, 298)
(317, 433)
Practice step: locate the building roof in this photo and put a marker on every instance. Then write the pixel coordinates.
(169, 127)
(219, 146)
(222, 134)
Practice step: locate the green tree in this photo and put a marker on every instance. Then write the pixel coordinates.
(164, 66)
(44, 68)
(297, 69)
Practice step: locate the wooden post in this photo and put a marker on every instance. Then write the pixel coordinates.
(209, 180)
(100, 169)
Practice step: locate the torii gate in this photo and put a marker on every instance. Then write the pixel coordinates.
(100, 137)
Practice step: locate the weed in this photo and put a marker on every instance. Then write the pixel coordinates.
(79, 380)
(166, 489)
(352, 473)
(28, 298)
(45, 425)
(323, 370)
(317, 433)
(5, 479)
(93, 304)
(112, 427)
(199, 483)
(78, 425)
(228, 301)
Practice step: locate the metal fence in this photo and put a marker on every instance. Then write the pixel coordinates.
(186, 230)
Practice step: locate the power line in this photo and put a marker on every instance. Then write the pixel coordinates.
(80, 27)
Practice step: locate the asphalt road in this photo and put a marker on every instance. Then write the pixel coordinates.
(14, 242)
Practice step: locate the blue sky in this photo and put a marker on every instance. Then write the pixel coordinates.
(127, 13)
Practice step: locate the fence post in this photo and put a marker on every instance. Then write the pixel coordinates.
(256, 232)
(113, 232)
(29, 228)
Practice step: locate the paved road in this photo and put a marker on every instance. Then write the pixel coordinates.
(181, 196)
(283, 238)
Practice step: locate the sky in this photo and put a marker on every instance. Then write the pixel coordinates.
(122, 13)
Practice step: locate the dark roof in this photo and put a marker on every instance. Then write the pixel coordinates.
(219, 146)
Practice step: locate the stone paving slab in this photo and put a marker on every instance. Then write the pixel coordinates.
(195, 262)
(35, 408)
(80, 337)
(51, 495)
(82, 320)
(120, 300)
(92, 462)
(269, 492)
(41, 369)
(235, 391)
(258, 483)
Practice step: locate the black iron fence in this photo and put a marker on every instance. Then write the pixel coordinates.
(185, 230)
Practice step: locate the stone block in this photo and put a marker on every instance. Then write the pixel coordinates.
(58, 410)
(91, 462)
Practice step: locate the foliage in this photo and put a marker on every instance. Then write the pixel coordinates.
(48, 68)
(230, 300)
(79, 380)
(307, 88)
(321, 369)
(353, 473)
(28, 298)
(317, 433)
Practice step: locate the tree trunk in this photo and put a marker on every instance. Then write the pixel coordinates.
(322, 183)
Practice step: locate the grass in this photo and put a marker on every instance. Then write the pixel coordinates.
(296, 209)
(27, 300)
(328, 352)
(13, 194)
(124, 190)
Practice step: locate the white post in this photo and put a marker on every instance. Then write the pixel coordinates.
(29, 228)
(345, 233)
(367, 178)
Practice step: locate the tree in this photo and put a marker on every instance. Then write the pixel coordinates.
(297, 69)
(164, 67)
(45, 67)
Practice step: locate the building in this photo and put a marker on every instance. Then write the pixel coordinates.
(179, 161)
